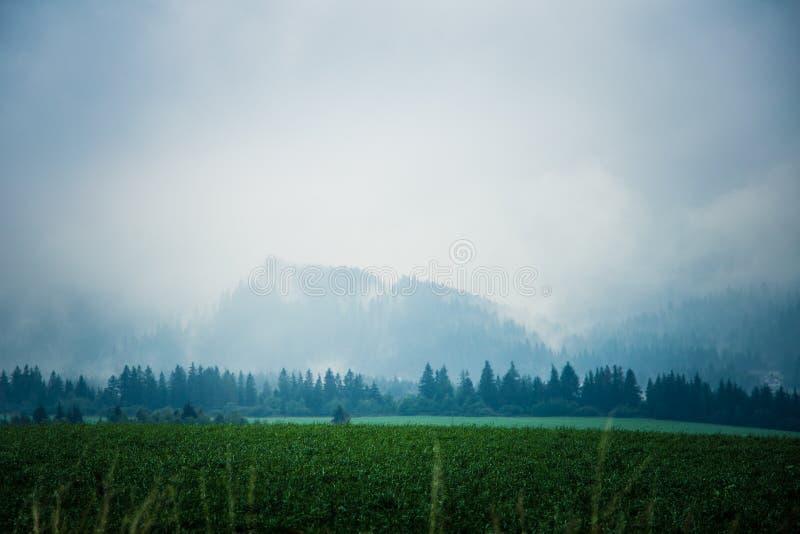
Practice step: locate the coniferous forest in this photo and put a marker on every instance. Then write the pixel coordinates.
(199, 393)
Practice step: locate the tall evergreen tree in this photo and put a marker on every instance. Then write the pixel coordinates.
(465, 393)
(444, 388)
(427, 383)
(487, 387)
(554, 384)
(250, 394)
(569, 383)
(40, 415)
(284, 391)
(510, 387)
(329, 386)
(162, 391)
(631, 392)
(75, 415)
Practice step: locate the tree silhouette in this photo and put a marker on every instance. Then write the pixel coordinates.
(427, 383)
(39, 415)
(340, 416)
(188, 412)
(487, 388)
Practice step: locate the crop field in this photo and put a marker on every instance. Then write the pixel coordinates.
(648, 425)
(318, 478)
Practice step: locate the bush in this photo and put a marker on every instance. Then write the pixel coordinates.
(340, 417)
(116, 415)
(40, 415)
(188, 412)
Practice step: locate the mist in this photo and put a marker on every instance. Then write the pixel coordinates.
(154, 154)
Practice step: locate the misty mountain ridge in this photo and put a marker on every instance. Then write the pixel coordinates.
(378, 329)
(749, 335)
(384, 330)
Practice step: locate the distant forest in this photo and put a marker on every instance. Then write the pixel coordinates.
(204, 392)
(748, 336)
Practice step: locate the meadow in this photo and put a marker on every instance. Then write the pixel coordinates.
(381, 478)
(633, 423)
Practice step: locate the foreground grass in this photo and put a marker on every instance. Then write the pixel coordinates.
(648, 425)
(391, 479)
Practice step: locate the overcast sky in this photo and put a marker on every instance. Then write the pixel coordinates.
(152, 153)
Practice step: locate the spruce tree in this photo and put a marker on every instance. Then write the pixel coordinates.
(631, 392)
(569, 382)
(554, 384)
(466, 389)
(487, 387)
(340, 416)
(75, 415)
(427, 383)
(444, 388)
(59, 412)
(39, 415)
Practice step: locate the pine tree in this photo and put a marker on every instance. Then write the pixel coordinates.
(162, 391)
(178, 389)
(150, 387)
(466, 389)
(427, 383)
(240, 388)
(444, 388)
(487, 387)
(250, 394)
(5, 388)
(116, 415)
(340, 416)
(631, 392)
(75, 416)
(59, 412)
(40, 415)
(554, 384)
(188, 412)
(510, 387)
(569, 382)
(284, 391)
(329, 385)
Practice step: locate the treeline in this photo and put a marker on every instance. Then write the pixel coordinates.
(674, 396)
(603, 390)
(208, 389)
(141, 395)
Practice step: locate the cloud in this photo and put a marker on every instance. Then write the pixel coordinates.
(153, 153)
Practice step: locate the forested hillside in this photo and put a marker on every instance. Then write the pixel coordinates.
(750, 336)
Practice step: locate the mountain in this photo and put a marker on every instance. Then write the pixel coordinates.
(389, 330)
(375, 328)
(750, 335)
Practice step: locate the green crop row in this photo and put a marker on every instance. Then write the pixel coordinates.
(391, 479)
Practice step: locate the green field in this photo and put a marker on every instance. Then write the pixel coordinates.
(647, 425)
(64, 478)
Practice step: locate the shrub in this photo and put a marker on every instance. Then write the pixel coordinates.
(340, 417)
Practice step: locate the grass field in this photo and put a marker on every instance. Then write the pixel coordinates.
(647, 425)
(315, 478)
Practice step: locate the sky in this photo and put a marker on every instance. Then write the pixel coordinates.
(154, 153)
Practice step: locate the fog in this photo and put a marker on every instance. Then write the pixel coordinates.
(634, 153)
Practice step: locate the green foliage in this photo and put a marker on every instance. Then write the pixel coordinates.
(117, 415)
(427, 383)
(188, 412)
(340, 417)
(39, 415)
(391, 479)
